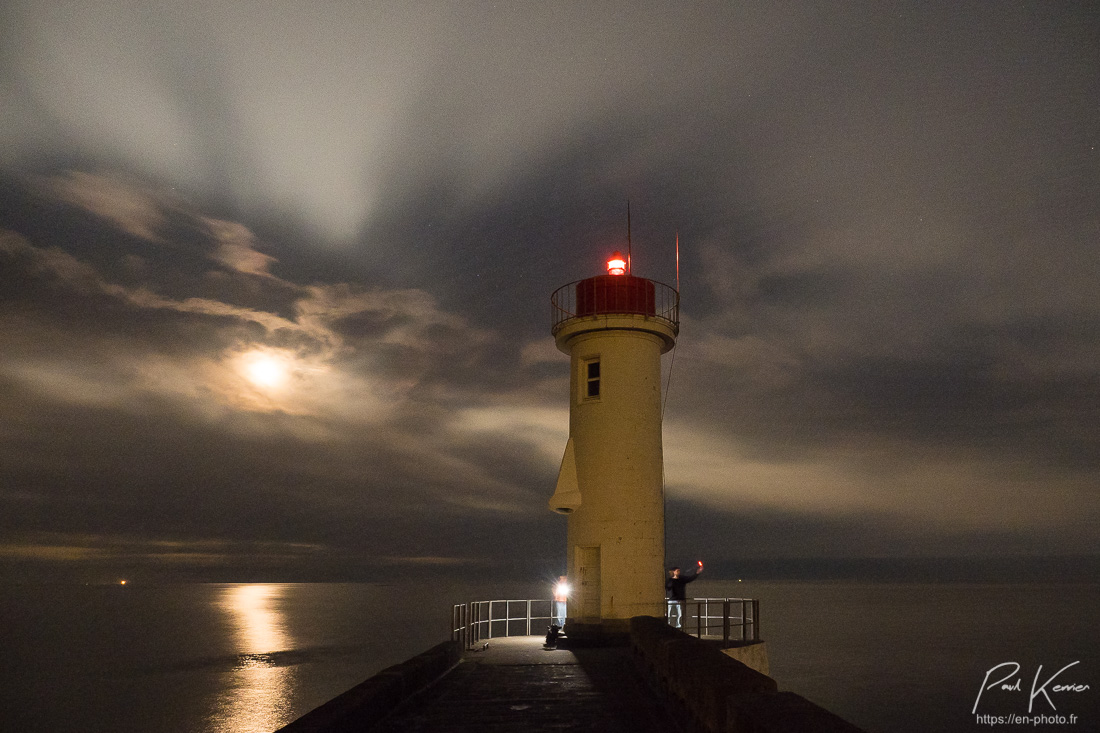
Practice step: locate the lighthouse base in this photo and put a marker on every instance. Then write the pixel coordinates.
(598, 632)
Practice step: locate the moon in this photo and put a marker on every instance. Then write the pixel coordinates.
(265, 370)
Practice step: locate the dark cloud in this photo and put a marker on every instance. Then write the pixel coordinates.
(275, 283)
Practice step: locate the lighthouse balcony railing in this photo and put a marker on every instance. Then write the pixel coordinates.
(662, 304)
(733, 620)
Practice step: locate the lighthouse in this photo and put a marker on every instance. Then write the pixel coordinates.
(614, 327)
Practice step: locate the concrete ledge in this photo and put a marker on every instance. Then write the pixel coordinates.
(754, 655)
(692, 671)
(375, 698)
(648, 633)
(720, 693)
(702, 678)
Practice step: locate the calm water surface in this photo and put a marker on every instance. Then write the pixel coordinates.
(250, 658)
(911, 657)
(199, 658)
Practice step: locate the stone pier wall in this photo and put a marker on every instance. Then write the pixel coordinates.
(719, 693)
(371, 701)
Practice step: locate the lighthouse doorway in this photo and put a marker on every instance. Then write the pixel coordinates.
(588, 575)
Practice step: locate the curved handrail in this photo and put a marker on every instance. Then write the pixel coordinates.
(665, 307)
(473, 622)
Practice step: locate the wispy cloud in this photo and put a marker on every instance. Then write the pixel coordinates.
(304, 284)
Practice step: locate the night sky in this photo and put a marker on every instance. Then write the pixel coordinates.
(275, 279)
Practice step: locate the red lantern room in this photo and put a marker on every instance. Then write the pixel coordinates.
(616, 293)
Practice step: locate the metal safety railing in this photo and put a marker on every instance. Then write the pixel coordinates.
(733, 620)
(478, 620)
(662, 303)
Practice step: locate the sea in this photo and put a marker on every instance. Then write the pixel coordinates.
(249, 658)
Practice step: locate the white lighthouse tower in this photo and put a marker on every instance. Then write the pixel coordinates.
(615, 327)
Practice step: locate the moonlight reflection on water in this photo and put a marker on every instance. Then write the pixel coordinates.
(256, 697)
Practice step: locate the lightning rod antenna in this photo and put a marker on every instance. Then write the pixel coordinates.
(677, 261)
(628, 253)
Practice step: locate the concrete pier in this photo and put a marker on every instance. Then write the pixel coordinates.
(516, 685)
(662, 680)
(506, 684)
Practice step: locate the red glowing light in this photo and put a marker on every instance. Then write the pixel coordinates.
(616, 265)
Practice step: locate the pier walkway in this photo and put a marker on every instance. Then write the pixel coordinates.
(659, 680)
(514, 684)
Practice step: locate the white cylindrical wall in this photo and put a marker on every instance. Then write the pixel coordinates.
(617, 441)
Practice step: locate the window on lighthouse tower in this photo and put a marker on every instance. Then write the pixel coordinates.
(592, 379)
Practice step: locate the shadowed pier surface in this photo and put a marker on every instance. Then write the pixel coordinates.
(516, 685)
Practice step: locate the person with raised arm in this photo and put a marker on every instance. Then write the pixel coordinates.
(675, 590)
